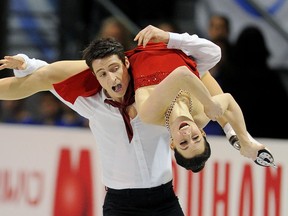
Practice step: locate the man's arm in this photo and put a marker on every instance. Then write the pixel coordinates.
(204, 52)
(42, 79)
(13, 88)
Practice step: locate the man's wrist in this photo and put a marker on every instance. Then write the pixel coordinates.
(31, 66)
(174, 41)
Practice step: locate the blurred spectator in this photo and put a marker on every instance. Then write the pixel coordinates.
(225, 65)
(15, 112)
(70, 118)
(167, 26)
(45, 109)
(52, 112)
(256, 87)
(219, 27)
(112, 27)
(218, 32)
(49, 109)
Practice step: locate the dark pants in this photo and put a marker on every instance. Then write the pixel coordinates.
(156, 201)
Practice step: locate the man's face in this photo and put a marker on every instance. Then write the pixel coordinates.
(112, 75)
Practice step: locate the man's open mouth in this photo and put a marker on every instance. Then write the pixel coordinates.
(117, 88)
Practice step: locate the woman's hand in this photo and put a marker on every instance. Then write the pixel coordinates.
(250, 149)
(214, 110)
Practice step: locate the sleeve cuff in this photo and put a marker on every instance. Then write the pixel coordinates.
(32, 65)
(175, 41)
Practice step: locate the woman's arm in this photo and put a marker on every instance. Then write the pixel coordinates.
(152, 102)
(214, 88)
(234, 116)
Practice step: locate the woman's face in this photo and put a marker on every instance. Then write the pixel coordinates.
(187, 138)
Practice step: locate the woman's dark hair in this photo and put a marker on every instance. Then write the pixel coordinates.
(197, 163)
(102, 48)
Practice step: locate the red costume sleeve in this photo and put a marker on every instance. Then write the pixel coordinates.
(150, 65)
(82, 84)
(148, 68)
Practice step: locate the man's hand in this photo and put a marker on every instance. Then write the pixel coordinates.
(153, 34)
(12, 62)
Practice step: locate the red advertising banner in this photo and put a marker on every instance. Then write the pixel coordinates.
(52, 171)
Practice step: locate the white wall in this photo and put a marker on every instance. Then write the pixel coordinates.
(30, 162)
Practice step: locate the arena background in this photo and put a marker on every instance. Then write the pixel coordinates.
(46, 28)
(47, 170)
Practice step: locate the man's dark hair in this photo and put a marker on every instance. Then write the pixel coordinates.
(102, 48)
(197, 163)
